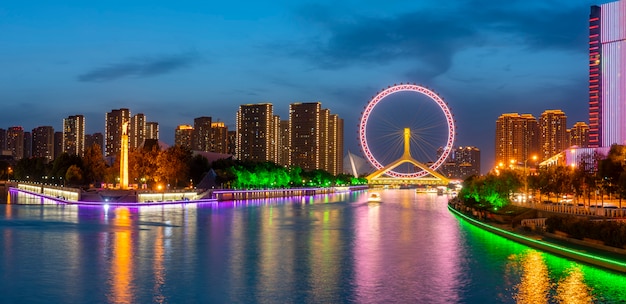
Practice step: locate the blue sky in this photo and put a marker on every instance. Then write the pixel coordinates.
(176, 60)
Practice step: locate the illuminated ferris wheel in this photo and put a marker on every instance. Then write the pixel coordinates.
(410, 134)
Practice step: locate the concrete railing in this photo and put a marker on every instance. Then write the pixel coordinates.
(583, 210)
(534, 223)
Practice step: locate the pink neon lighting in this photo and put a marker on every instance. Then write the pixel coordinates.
(406, 88)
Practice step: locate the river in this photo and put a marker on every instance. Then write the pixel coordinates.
(324, 249)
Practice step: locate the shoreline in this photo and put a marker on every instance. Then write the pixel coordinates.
(546, 246)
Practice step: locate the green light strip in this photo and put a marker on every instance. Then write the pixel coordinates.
(616, 265)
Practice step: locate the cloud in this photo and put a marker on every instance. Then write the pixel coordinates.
(140, 67)
(426, 39)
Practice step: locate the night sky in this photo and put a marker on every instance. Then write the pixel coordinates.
(176, 60)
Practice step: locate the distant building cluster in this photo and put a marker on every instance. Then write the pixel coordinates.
(462, 163)
(311, 137)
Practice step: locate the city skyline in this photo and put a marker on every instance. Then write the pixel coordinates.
(174, 63)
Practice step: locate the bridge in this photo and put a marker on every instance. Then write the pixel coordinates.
(382, 176)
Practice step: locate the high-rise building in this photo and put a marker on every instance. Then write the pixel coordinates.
(335, 144)
(305, 134)
(28, 144)
(462, 162)
(607, 67)
(74, 135)
(15, 142)
(137, 130)
(516, 138)
(219, 137)
(43, 142)
(315, 137)
(201, 137)
(232, 142)
(93, 139)
(58, 144)
(579, 135)
(285, 150)
(553, 133)
(113, 130)
(255, 132)
(152, 130)
(183, 136)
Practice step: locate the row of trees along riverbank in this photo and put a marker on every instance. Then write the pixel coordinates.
(174, 166)
(595, 177)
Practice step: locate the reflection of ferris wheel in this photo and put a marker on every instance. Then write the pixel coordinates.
(430, 141)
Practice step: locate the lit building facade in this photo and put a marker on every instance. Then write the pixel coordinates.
(15, 142)
(285, 149)
(183, 136)
(152, 130)
(462, 162)
(255, 132)
(553, 133)
(28, 145)
(516, 138)
(579, 135)
(58, 143)
(315, 138)
(202, 134)
(113, 130)
(305, 134)
(137, 130)
(74, 135)
(607, 86)
(232, 142)
(43, 142)
(219, 137)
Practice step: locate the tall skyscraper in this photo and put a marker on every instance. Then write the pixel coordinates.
(335, 144)
(152, 130)
(285, 150)
(516, 138)
(607, 86)
(202, 134)
(579, 135)
(137, 130)
(15, 142)
(315, 137)
(255, 132)
(183, 136)
(462, 162)
(232, 142)
(43, 142)
(58, 144)
(553, 133)
(219, 137)
(304, 134)
(113, 130)
(74, 135)
(28, 144)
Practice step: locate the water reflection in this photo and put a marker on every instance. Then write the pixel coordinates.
(535, 280)
(329, 248)
(572, 288)
(122, 260)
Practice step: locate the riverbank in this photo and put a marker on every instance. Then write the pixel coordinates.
(113, 197)
(581, 251)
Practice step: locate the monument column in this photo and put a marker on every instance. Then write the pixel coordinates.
(124, 158)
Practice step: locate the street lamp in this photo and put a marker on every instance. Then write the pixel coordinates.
(534, 158)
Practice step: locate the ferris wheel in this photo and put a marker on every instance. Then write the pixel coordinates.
(415, 112)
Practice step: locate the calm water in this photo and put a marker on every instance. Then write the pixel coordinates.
(323, 249)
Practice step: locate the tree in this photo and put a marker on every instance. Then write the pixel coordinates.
(94, 164)
(198, 167)
(74, 175)
(173, 165)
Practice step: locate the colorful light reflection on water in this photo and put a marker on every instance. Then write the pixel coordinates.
(326, 248)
